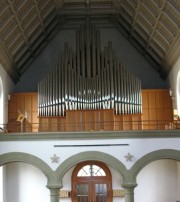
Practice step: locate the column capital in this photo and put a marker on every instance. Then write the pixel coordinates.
(54, 192)
(129, 185)
(129, 191)
(54, 186)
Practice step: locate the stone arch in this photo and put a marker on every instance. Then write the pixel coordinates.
(29, 159)
(154, 156)
(91, 155)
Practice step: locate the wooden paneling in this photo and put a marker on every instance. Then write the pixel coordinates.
(89, 120)
(156, 113)
(23, 102)
(145, 101)
(108, 119)
(156, 108)
(152, 99)
(128, 122)
(52, 124)
(136, 121)
(118, 122)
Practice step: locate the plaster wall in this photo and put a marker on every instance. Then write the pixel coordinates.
(25, 183)
(7, 86)
(178, 181)
(1, 184)
(46, 149)
(157, 182)
(172, 79)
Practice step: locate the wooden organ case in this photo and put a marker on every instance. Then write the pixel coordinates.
(88, 86)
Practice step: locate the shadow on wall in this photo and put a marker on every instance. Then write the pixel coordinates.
(1, 105)
(178, 93)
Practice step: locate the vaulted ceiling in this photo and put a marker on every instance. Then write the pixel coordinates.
(26, 27)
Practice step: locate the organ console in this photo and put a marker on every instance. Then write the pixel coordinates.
(89, 79)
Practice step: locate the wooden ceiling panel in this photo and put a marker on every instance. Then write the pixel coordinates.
(144, 23)
(152, 25)
(147, 14)
(166, 33)
(161, 41)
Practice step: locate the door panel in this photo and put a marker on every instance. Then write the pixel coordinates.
(82, 192)
(100, 193)
(91, 192)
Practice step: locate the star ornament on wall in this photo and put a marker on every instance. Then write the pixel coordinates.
(128, 157)
(55, 159)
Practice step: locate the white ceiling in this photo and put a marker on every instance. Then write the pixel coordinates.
(26, 27)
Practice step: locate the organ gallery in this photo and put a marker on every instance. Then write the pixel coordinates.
(90, 90)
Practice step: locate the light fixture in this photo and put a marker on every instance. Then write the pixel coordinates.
(171, 95)
(175, 114)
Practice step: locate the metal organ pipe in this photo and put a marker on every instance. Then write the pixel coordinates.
(89, 79)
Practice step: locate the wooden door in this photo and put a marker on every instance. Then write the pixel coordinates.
(91, 186)
(91, 191)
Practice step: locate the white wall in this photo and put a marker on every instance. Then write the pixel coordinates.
(1, 184)
(7, 87)
(157, 182)
(172, 78)
(25, 183)
(138, 147)
(116, 184)
(178, 181)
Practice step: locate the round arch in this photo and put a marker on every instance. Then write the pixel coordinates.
(90, 156)
(154, 156)
(26, 158)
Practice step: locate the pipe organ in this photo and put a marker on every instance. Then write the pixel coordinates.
(89, 78)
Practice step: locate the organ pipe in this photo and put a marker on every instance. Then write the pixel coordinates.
(89, 79)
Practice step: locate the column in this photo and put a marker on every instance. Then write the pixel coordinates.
(54, 193)
(129, 192)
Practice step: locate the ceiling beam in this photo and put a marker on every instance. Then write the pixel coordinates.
(87, 12)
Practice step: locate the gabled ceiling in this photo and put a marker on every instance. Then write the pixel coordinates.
(26, 27)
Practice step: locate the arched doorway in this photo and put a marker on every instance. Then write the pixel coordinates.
(91, 181)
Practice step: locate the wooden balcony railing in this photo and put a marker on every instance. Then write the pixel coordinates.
(54, 126)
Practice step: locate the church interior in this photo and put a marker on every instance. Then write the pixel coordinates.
(90, 100)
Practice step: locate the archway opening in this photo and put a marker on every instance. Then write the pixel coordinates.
(25, 182)
(91, 181)
(159, 181)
